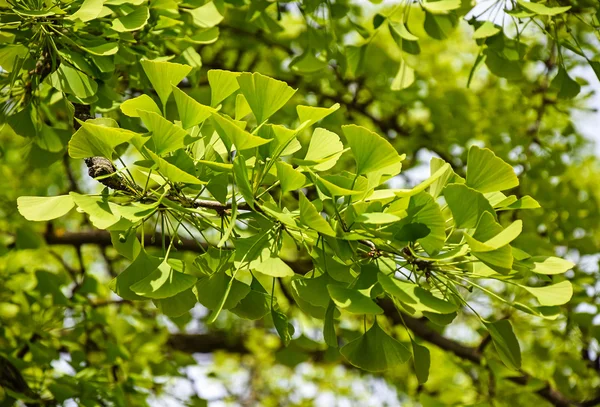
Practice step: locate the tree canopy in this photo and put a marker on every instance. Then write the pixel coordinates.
(377, 203)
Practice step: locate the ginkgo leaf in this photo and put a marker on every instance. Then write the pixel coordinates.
(191, 112)
(89, 10)
(377, 218)
(331, 188)
(164, 282)
(542, 9)
(103, 214)
(404, 77)
(352, 300)
(485, 30)
(488, 173)
(130, 107)
(178, 304)
(311, 114)
(264, 95)
(290, 179)
(132, 21)
(415, 296)
(375, 351)
(206, 16)
(441, 6)
(73, 81)
(312, 218)
(467, 205)
(242, 108)
(550, 265)
(94, 140)
(139, 269)
(371, 151)
(43, 208)
(503, 238)
(172, 172)
(222, 84)
(324, 149)
(211, 291)
(164, 74)
(231, 133)
(273, 266)
(400, 29)
(166, 136)
(422, 362)
(555, 294)
(505, 342)
(423, 185)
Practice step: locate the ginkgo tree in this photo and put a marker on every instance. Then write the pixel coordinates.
(270, 200)
(241, 194)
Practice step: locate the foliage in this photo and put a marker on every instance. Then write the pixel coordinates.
(310, 248)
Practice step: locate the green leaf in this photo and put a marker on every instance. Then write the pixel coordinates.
(143, 102)
(488, 173)
(70, 80)
(377, 218)
(89, 10)
(132, 21)
(103, 214)
(550, 265)
(211, 291)
(324, 149)
(423, 209)
(310, 217)
(401, 30)
(164, 74)
(313, 290)
(439, 26)
(503, 237)
(264, 95)
(43, 208)
(404, 77)
(329, 326)
(94, 140)
(542, 9)
(375, 351)
(441, 6)
(505, 342)
(555, 294)
(307, 63)
(9, 53)
(164, 282)
(255, 305)
(415, 296)
(99, 47)
(139, 269)
(206, 16)
(371, 151)
(242, 181)
(177, 305)
(443, 170)
(231, 133)
(485, 30)
(466, 204)
(130, 247)
(173, 173)
(242, 108)
(290, 178)
(222, 84)
(283, 327)
(166, 136)
(564, 85)
(329, 186)
(309, 115)
(273, 266)
(422, 362)
(352, 300)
